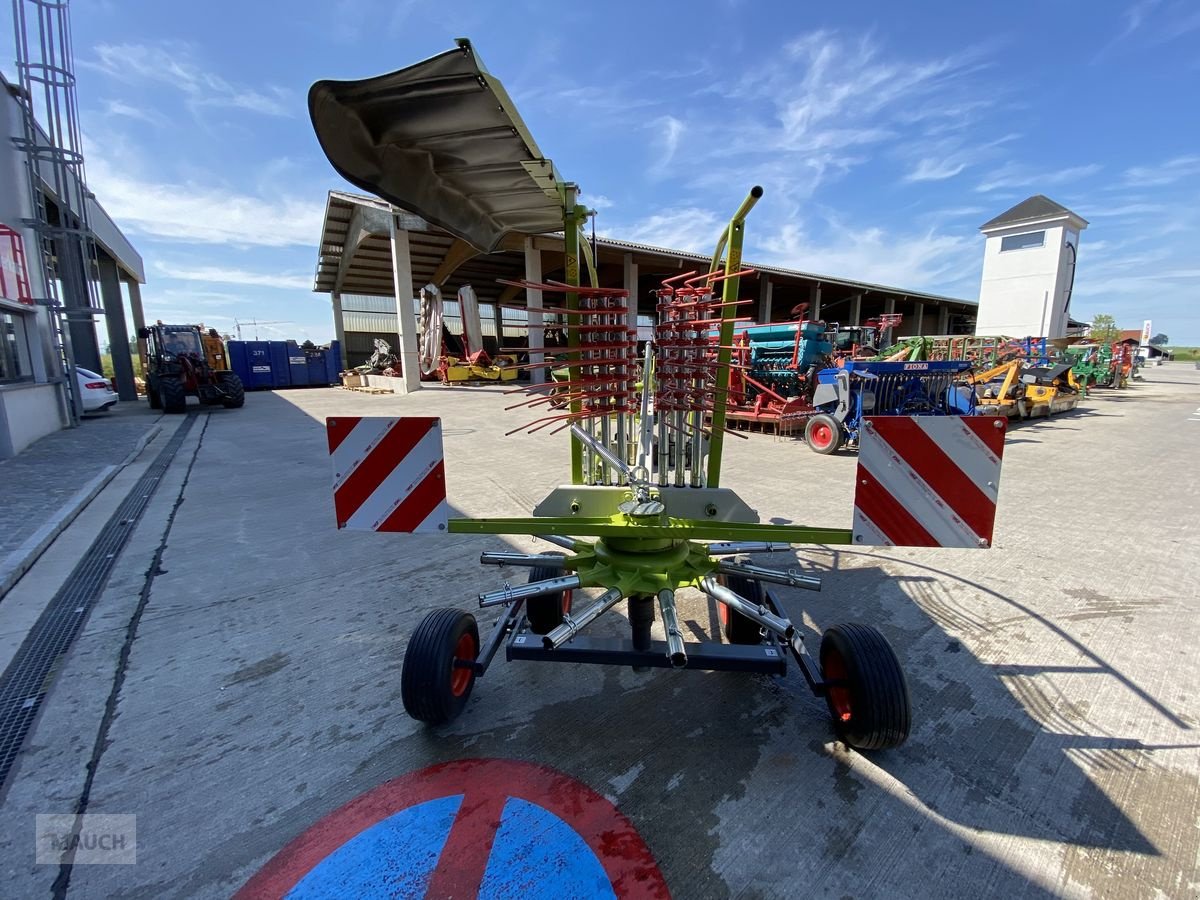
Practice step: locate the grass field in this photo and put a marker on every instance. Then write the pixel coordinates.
(1185, 354)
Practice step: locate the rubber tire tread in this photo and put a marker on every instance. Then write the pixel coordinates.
(152, 393)
(832, 423)
(737, 628)
(236, 389)
(880, 706)
(544, 613)
(172, 395)
(428, 665)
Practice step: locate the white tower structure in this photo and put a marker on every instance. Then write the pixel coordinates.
(1029, 270)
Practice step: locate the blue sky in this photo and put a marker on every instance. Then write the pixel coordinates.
(884, 133)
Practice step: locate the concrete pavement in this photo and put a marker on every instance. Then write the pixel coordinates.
(239, 678)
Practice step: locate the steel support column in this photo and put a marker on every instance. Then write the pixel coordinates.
(405, 317)
(135, 303)
(77, 302)
(918, 318)
(118, 334)
(814, 302)
(339, 324)
(533, 299)
(631, 285)
(856, 309)
(943, 319)
(766, 290)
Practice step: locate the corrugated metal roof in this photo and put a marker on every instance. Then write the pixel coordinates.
(780, 270)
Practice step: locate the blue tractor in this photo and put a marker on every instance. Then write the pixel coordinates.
(858, 388)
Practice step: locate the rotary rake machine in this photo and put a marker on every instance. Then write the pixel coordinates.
(645, 516)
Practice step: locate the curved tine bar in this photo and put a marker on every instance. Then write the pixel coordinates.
(508, 593)
(572, 625)
(790, 578)
(499, 558)
(760, 614)
(675, 649)
(727, 548)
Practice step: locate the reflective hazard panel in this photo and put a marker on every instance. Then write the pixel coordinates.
(388, 473)
(928, 481)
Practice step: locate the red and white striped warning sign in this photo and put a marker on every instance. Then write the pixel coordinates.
(388, 473)
(928, 481)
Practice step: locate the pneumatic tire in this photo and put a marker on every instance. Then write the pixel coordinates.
(546, 613)
(172, 395)
(436, 680)
(866, 690)
(823, 434)
(736, 627)
(235, 391)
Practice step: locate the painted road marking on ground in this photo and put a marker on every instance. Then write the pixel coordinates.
(388, 473)
(487, 828)
(928, 481)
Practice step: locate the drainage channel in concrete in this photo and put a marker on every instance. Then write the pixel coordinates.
(26, 681)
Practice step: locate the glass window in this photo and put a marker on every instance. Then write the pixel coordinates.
(14, 352)
(1023, 241)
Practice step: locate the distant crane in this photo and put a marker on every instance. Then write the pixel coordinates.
(255, 324)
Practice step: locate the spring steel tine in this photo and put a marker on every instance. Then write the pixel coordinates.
(676, 278)
(715, 277)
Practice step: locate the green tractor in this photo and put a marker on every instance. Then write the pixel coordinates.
(180, 363)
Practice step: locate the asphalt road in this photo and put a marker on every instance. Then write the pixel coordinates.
(248, 683)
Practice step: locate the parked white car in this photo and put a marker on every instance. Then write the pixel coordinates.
(94, 390)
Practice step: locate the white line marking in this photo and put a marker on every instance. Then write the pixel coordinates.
(911, 491)
(400, 482)
(356, 446)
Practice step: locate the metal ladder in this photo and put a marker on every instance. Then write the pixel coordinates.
(54, 156)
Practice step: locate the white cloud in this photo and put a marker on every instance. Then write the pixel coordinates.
(926, 261)
(171, 63)
(1014, 175)
(688, 228)
(206, 214)
(935, 170)
(598, 201)
(222, 275)
(669, 130)
(825, 105)
(117, 108)
(1164, 173)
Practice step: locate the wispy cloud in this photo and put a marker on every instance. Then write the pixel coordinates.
(223, 275)
(668, 130)
(822, 106)
(203, 214)
(1151, 23)
(173, 65)
(597, 201)
(687, 228)
(944, 157)
(1015, 175)
(1164, 173)
(935, 170)
(921, 261)
(138, 113)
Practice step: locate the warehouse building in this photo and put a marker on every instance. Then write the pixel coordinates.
(33, 398)
(372, 253)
